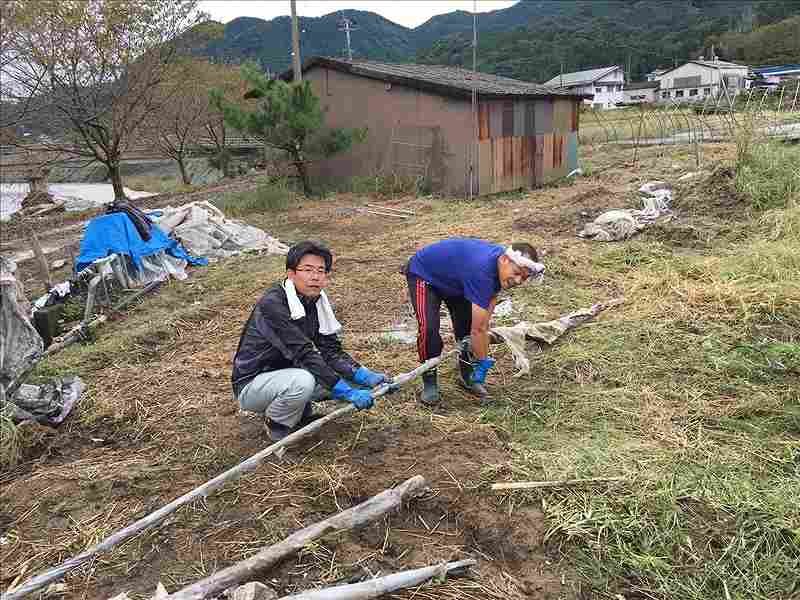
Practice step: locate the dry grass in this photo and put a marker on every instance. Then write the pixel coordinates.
(686, 391)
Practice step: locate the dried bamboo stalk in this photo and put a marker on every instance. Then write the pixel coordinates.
(56, 573)
(375, 588)
(530, 485)
(44, 267)
(390, 208)
(357, 516)
(382, 213)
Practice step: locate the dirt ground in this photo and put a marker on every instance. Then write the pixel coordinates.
(159, 420)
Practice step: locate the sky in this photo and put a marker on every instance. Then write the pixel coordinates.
(405, 12)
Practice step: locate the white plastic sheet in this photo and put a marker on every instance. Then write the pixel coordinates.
(621, 224)
(545, 332)
(204, 230)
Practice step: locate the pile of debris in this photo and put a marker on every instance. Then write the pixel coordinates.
(204, 230)
(622, 224)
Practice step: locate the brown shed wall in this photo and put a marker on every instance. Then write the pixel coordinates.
(411, 132)
(522, 143)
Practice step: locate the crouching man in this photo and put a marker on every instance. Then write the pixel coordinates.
(466, 274)
(289, 352)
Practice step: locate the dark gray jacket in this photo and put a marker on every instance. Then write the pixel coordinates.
(271, 341)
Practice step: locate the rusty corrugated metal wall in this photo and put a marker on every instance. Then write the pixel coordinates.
(525, 143)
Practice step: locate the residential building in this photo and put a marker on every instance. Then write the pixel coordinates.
(778, 74)
(642, 92)
(603, 87)
(697, 80)
(422, 124)
(654, 74)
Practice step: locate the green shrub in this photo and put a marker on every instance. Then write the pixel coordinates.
(266, 197)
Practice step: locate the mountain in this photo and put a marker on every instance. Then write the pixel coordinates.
(640, 35)
(778, 43)
(270, 42)
(530, 40)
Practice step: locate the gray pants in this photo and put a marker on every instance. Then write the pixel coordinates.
(280, 395)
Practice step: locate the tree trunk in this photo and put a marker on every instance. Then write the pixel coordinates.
(184, 174)
(116, 180)
(302, 172)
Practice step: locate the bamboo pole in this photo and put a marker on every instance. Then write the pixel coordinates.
(247, 570)
(56, 573)
(530, 485)
(375, 588)
(38, 252)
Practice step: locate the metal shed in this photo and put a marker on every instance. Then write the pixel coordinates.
(421, 124)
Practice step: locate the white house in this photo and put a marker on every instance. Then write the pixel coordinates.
(604, 84)
(642, 92)
(697, 80)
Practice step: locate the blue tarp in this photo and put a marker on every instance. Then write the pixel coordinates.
(116, 234)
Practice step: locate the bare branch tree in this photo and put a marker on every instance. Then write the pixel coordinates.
(90, 69)
(188, 118)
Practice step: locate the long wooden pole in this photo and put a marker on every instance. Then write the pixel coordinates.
(532, 485)
(204, 490)
(376, 588)
(247, 570)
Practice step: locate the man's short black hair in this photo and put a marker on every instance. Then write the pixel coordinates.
(527, 250)
(299, 250)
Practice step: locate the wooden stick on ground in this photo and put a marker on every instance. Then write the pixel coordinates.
(375, 588)
(44, 268)
(530, 485)
(39, 581)
(382, 213)
(247, 570)
(390, 208)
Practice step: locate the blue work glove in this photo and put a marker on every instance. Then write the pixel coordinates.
(480, 370)
(363, 376)
(361, 399)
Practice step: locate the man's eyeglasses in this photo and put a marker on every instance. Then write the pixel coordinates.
(309, 270)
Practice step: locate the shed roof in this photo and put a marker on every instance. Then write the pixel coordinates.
(777, 69)
(642, 85)
(711, 64)
(448, 81)
(580, 77)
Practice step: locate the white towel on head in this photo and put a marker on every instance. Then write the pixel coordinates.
(328, 325)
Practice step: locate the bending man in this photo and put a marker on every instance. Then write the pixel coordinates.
(467, 275)
(289, 352)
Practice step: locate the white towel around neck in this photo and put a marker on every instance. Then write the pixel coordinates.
(328, 325)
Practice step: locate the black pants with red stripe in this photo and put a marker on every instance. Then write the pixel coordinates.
(427, 303)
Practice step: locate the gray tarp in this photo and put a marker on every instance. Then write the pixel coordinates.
(20, 344)
(19, 340)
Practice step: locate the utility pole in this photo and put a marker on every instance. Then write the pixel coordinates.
(347, 26)
(473, 166)
(295, 44)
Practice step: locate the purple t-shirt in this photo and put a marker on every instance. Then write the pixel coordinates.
(460, 267)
